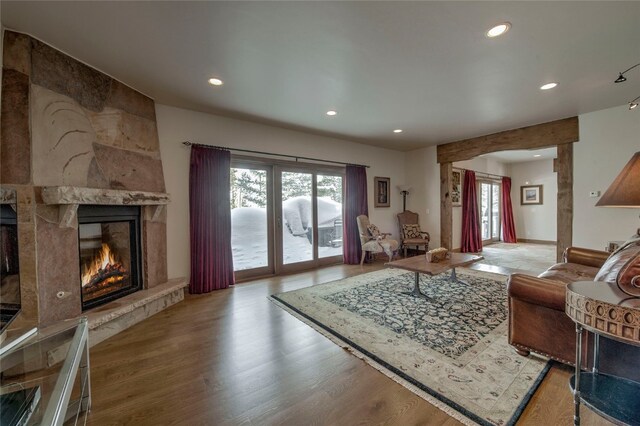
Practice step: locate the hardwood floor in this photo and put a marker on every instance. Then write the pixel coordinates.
(232, 357)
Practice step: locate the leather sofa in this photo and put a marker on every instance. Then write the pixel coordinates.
(537, 319)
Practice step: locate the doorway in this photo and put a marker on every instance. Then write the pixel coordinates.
(489, 201)
(285, 217)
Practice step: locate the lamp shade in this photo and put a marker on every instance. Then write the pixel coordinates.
(404, 188)
(625, 189)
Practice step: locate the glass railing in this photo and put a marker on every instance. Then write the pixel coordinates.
(44, 376)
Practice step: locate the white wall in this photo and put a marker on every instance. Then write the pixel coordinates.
(423, 174)
(535, 222)
(176, 125)
(478, 164)
(608, 139)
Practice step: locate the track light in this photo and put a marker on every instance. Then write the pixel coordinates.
(621, 78)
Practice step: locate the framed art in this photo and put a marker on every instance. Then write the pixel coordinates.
(382, 196)
(530, 194)
(456, 192)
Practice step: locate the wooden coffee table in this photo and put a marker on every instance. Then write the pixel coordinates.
(419, 265)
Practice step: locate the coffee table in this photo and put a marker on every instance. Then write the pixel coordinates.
(419, 265)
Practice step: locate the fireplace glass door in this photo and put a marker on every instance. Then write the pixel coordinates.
(109, 253)
(9, 265)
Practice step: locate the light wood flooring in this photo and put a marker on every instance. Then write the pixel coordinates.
(232, 357)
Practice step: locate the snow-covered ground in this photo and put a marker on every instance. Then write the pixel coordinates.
(249, 232)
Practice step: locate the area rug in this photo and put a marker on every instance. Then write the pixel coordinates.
(451, 351)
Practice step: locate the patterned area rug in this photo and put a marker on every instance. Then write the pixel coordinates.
(451, 351)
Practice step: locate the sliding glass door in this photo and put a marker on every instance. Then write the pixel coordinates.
(251, 218)
(489, 211)
(297, 207)
(284, 218)
(309, 218)
(329, 201)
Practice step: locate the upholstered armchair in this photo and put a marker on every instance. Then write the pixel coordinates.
(410, 233)
(374, 241)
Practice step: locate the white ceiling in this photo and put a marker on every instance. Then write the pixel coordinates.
(522, 155)
(424, 67)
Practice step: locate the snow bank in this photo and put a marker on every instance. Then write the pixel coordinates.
(249, 236)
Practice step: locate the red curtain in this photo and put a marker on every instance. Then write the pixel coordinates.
(210, 220)
(471, 237)
(508, 225)
(355, 201)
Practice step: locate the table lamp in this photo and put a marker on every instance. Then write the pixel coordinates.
(625, 192)
(625, 189)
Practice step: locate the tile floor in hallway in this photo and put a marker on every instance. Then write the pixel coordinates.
(530, 257)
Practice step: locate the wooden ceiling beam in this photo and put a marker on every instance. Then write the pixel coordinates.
(543, 135)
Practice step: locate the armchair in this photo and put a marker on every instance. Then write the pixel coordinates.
(410, 233)
(374, 241)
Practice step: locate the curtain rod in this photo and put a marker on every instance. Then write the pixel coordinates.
(296, 157)
(481, 173)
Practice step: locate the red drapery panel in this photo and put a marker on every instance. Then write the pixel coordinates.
(508, 225)
(210, 220)
(355, 204)
(471, 237)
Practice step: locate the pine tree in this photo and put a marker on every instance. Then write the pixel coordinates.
(330, 186)
(295, 185)
(249, 188)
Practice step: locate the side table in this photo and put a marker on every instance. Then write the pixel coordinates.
(604, 310)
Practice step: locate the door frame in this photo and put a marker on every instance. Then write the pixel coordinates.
(493, 184)
(316, 261)
(560, 133)
(274, 214)
(238, 162)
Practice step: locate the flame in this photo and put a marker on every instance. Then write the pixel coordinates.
(99, 263)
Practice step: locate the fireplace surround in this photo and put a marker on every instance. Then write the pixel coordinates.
(73, 140)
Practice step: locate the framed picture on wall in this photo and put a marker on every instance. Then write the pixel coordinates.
(530, 194)
(382, 196)
(456, 192)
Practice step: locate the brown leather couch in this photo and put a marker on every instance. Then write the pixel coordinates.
(537, 319)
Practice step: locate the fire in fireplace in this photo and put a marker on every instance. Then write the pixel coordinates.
(109, 241)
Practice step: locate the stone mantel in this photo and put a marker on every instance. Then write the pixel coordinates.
(7, 196)
(57, 195)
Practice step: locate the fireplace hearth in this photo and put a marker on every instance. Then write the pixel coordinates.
(109, 244)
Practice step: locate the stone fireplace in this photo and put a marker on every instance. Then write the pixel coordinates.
(79, 151)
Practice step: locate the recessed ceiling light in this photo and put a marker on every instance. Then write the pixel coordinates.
(332, 113)
(548, 86)
(215, 82)
(397, 131)
(498, 30)
(537, 155)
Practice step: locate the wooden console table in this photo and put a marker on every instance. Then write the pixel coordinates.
(603, 309)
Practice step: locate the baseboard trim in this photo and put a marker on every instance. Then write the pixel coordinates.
(546, 242)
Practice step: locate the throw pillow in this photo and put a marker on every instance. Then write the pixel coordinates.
(411, 231)
(374, 231)
(623, 268)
